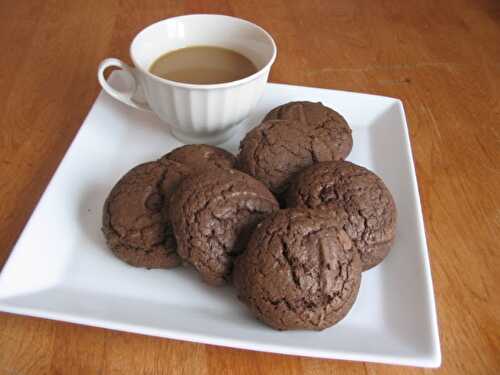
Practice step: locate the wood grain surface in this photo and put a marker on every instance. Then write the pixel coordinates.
(442, 58)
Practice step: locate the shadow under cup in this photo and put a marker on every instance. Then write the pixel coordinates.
(202, 113)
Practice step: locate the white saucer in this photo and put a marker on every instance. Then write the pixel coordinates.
(61, 269)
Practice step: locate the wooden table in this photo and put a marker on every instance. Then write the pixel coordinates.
(442, 58)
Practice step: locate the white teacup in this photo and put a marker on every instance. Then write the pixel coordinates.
(195, 113)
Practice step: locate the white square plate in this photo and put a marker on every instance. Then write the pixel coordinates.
(61, 269)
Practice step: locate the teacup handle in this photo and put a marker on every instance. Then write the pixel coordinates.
(124, 97)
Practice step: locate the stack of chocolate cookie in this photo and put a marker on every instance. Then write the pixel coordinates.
(298, 267)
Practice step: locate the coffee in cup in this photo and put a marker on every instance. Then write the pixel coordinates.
(205, 111)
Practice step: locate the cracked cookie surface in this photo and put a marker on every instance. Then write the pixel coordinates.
(135, 222)
(292, 137)
(200, 157)
(213, 214)
(371, 221)
(299, 270)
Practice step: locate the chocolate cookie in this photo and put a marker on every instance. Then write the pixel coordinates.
(299, 270)
(369, 204)
(135, 223)
(200, 157)
(213, 214)
(294, 136)
(328, 126)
